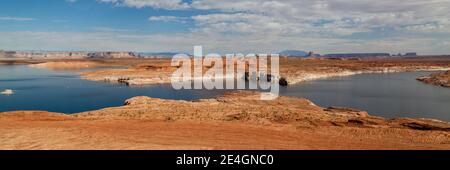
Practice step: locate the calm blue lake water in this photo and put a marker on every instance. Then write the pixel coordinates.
(386, 95)
(56, 91)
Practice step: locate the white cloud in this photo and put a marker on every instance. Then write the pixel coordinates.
(7, 18)
(324, 26)
(167, 18)
(340, 17)
(360, 15)
(108, 29)
(165, 4)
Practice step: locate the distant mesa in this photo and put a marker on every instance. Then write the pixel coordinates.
(300, 53)
(112, 55)
(64, 55)
(411, 54)
(7, 92)
(357, 55)
(125, 54)
(293, 53)
(81, 54)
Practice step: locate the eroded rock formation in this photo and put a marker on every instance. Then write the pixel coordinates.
(439, 79)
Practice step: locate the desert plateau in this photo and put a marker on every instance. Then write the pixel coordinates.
(225, 83)
(234, 120)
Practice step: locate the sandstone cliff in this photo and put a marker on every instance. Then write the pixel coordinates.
(65, 55)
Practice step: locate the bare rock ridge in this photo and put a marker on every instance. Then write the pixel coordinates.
(292, 70)
(438, 79)
(243, 106)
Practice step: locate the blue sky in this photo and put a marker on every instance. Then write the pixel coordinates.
(85, 15)
(227, 26)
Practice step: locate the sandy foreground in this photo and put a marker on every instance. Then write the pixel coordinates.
(237, 120)
(234, 121)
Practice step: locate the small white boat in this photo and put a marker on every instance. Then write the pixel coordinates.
(7, 92)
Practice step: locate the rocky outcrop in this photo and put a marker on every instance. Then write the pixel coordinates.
(283, 82)
(439, 79)
(246, 107)
(292, 71)
(349, 111)
(302, 76)
(132, 76)
(111, 55)
(7, 92)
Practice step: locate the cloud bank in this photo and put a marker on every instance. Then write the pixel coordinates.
(325, 26)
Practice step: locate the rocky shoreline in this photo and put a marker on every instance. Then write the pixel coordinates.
(438, 79)
(292, 71)
(309, 76)
(133, 76)
(237, 120)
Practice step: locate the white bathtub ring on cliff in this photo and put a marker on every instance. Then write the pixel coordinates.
(215, 77)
